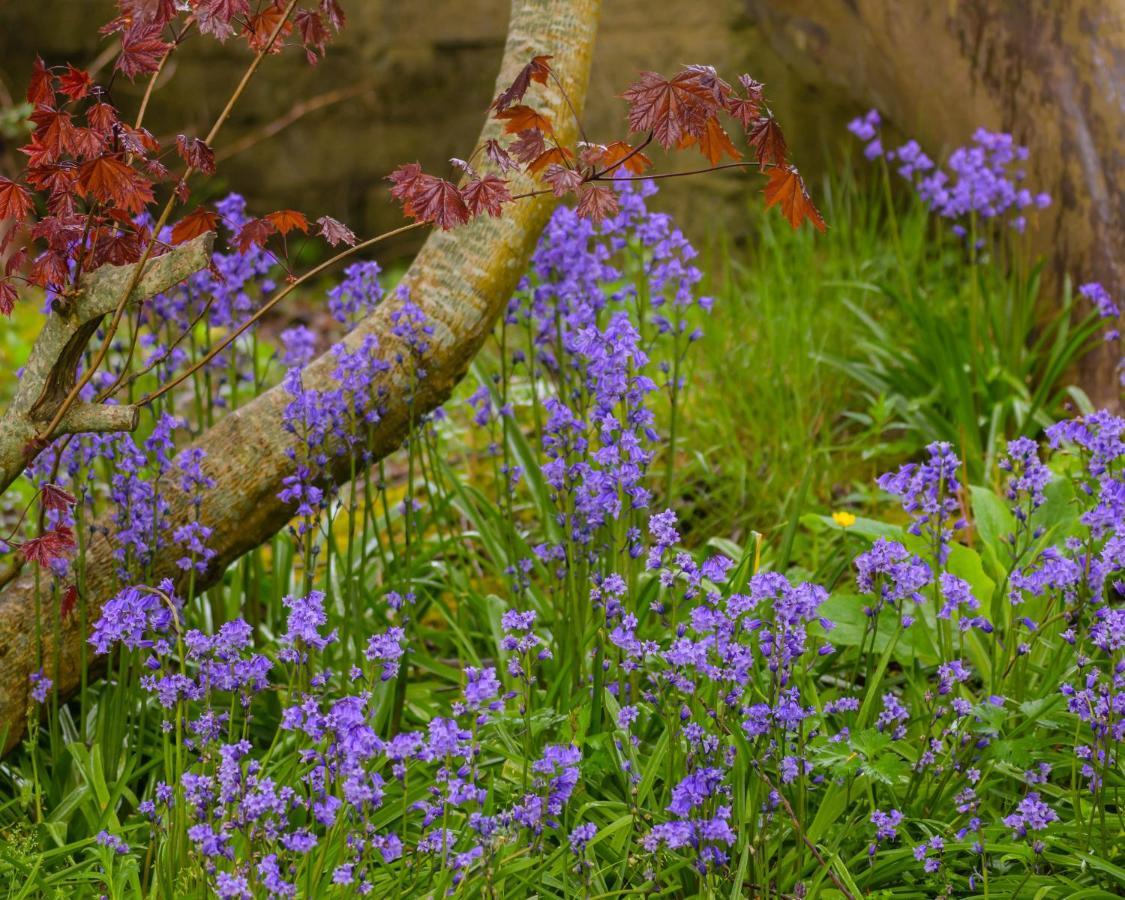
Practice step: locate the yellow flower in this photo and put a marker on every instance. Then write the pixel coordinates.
(843, 519)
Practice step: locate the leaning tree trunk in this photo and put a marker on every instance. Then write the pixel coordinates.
(461, 279)
(1052, 73)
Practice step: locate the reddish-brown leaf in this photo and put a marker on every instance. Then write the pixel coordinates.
(15, 201)
(102, 117)
(116, 247)
(16, 261)
(54, 131)
(88, 142)
(527, 146)
(670, 108)
(254, 233)
(745, 109)
(335, 232)
(40, 90)
(200, 221)
(561, 179)
(142, 49)
(405, 180)
(486, 194)
(137, 141)
(334, 14)
(56, 498)
(218, 17)
(607, 156)
(498, 156)
(111, 180)
(196, 153)
(50, 545)
(67, 602)
(766, 138)
(438, 201)
(523, 118)
(160, 12)
(714, 143)
(313, 30)
(286, 220)
(558, 155)
(8, 296)
(787, 188)
(536, 70)
(597, 203)
(75, 83)
(260, 32)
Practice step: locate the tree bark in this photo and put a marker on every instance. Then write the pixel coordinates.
(51, 368)
(461, 279)
(1051, 73)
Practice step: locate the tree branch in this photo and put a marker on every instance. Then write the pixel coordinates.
(51, 369)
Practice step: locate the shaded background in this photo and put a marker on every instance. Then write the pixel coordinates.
(410, 81)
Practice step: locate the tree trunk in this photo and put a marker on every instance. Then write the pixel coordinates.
(1051, 73)
(461, 279)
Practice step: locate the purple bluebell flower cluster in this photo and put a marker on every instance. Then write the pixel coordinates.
(983, 179)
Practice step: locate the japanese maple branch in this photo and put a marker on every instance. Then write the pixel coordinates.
(84, 379)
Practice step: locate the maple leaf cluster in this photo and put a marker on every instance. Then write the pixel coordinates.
(91, 175)
(677, 113)
(149, 29)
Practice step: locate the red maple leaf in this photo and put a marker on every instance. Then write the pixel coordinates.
(334, 14)
(8, 296)
(217, 17)
(40, 90)
(404, 181)
(15, 201)
(607, 156)
(670, 108)
(536, 70)
(159, 11)
(67, 602)
(486, 194)
(102, 117)
(142, 49)
(497, 155)
(75, 83)
(561, 179)
(335, 232)
(528, 145)
(313, 30)
(54, 132)
(438, 201)
(261, 29)
(56, 498)
(57, 543)
(113, 181)
(254, 233)
(524, 118)
(766, 138)
(196, 154)
(597, 203)
(558, 155)
(286, 220)
(88, 142)
(787, 188)
(49, 270)
(200, 221)
(713, 143)
(745, 109)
